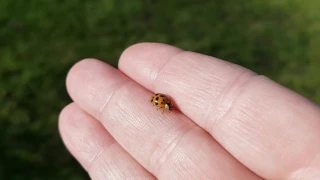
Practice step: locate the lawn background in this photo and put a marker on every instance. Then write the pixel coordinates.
(41, 39)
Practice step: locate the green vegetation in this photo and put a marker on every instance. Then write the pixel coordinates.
(41, 39)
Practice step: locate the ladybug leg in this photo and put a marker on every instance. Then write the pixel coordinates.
(162, 110)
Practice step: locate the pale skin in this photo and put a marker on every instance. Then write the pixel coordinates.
(227, 122)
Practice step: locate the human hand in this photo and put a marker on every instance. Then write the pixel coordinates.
(227, 122)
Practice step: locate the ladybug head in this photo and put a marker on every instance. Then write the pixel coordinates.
(168, 106)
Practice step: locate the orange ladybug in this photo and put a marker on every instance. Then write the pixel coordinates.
(161, 101)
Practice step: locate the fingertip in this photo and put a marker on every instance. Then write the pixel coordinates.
(76, 72)
(67, 123)
(142, 61)
(83, 78)
(79, 67)
(81, 134)
(144, 51)
(66, 120)
(82, 64)
(65, 114)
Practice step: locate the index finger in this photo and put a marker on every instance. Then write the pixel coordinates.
(270, 129)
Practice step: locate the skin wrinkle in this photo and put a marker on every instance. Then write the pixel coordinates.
(119, 101)
(93, 94)
(112, 166)
(183, 84)
(162, 155)
(163, 58)
(193, 168)
(216, 163)
(97, 156)
(242, 143)
(166, 61)
(252, 114)
(184, 162)
(234, 125)
(191, 68)
(239, 130)
(163, 66)
(185, 166)
(244, 112)
(103, 164)
(160, 158)
(122, 101)
(118, 112)
(105, 171)
(277, 142)
(180, 87)
(227, 94)
(116, 87)
(171, 147)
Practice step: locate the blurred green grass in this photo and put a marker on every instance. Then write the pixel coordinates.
(40, 40)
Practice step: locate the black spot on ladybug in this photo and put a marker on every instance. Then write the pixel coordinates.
(157, 98)
(162, 102)
(161, 95)
(156, 103)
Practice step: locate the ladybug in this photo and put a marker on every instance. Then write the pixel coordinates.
(161, 101)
